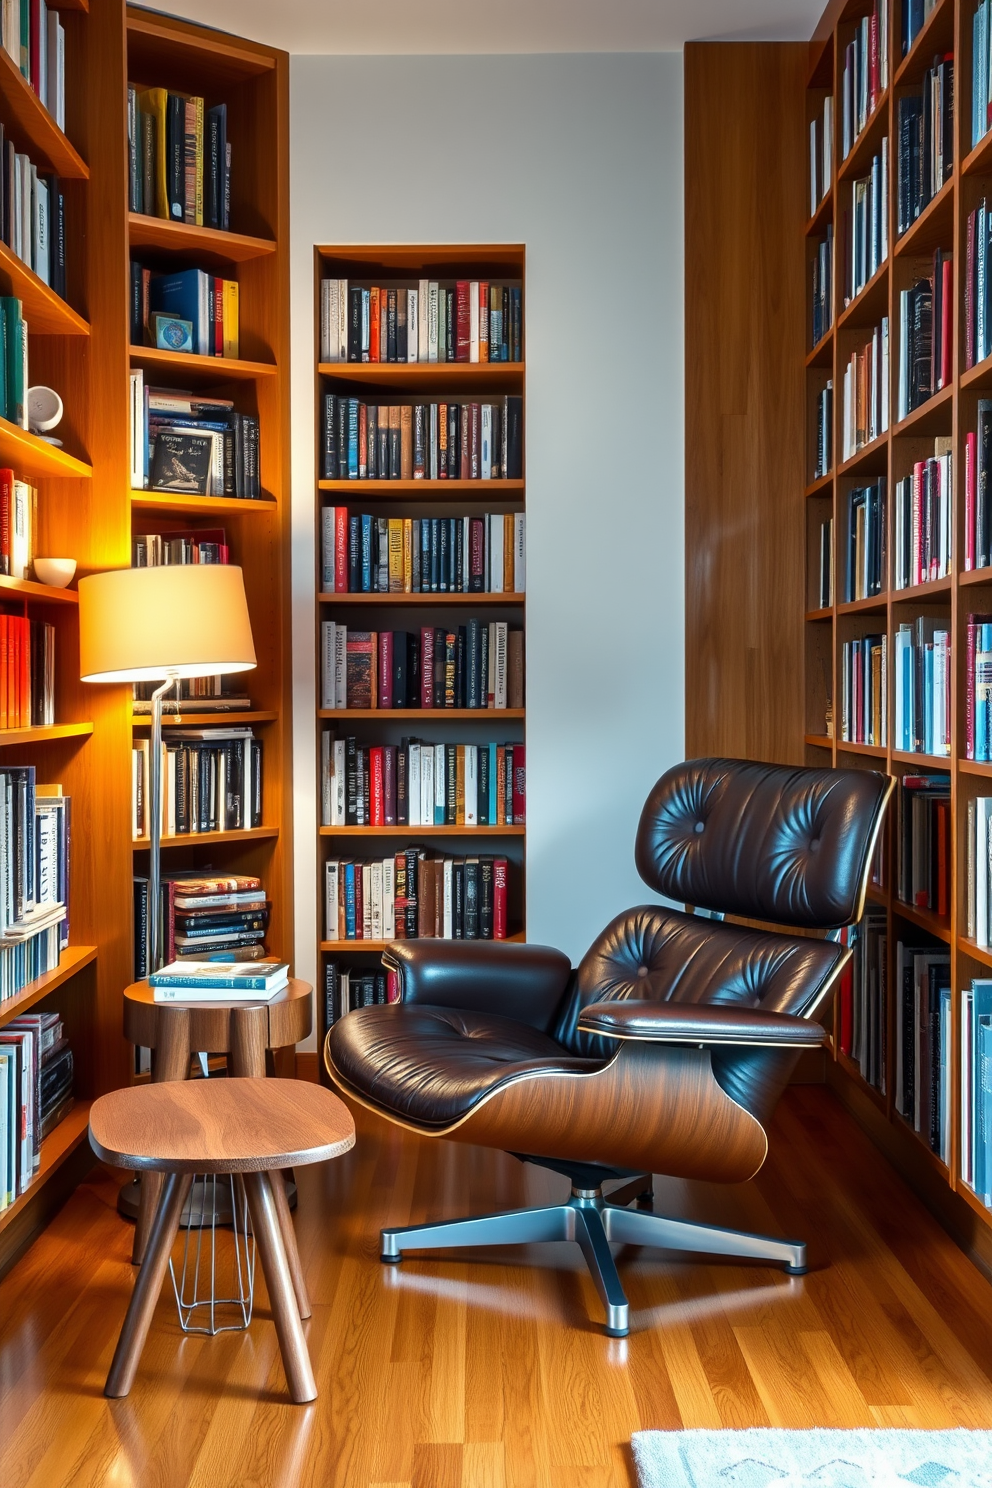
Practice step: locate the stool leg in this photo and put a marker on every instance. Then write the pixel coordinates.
(147, 1285)
(288, 1232)
(268, 1237)
(171, 1063)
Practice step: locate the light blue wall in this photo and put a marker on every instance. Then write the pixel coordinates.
(580, 158)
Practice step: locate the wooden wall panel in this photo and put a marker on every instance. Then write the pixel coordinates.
(745, 185)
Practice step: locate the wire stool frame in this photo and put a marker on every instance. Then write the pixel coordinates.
(193, 1299)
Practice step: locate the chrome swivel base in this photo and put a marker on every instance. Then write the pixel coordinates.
(593, 1222)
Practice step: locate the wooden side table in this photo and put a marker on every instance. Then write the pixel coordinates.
(244, 1031)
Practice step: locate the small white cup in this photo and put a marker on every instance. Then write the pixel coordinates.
(57, 573)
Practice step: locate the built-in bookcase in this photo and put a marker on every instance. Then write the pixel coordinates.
(832, 618)
(415, 382)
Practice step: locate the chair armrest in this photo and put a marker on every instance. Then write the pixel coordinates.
(513, 980)
(700, 1023)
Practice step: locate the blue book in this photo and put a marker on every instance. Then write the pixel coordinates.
(981, 1012)
(367, 553)
(425, 554)
(908, 709)
(435, 558)
(983, 1110)
(186, 297)
(206, 979)
(350, 902)
(352, 438)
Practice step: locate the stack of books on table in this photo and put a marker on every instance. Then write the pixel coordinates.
(222, 919)
(210, 981)
(36, 1071)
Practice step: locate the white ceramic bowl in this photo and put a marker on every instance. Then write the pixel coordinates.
(57, 573)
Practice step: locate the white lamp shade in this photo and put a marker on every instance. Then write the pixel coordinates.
(149, 624)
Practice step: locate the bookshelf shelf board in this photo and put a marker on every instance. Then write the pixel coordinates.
(868, 141)
(46, 312)
(349, 947)
(869, 304)
(210, 245)
(821, 486)
(975, 767)
(824, 614)
(41, 735)
(866, 458)
(426, 715)
(29, 455)
(877, 895)
(29, 589)
(74, 958)
(57, 1146)
(224, 58)
(931, 761)
(917, 592)
(423, 599)
(975, 576)
(981, 954)
(822, 354)
(877, 751)
(192, 839)
(28, 120)
(979, 160)
(428, 376)
(202, 720)
(818, 741)
(816, 224)
(872, 605)
(925, 919)
(203, 368)
(163, 501)
(932, 417)
(972, 1200)
(936, 35)
(979, 376)
(440, 490)
(934, 228)
(408, 831)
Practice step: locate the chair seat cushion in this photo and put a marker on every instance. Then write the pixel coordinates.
(432, 1065)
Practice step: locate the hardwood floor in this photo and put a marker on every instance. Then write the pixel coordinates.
(491, 1371)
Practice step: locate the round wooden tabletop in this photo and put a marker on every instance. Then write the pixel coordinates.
(220, 1126)
(290, 1017)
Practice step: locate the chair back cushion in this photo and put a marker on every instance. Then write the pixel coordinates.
(766, 842)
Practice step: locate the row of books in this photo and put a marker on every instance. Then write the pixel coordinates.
(981, 72)
(203, 916)
(976, 1088)
(36, 1074)
(27, 672)
(192, 444)
(478, 665)
(866, 392)
(197, 545)
(466, 320)
(346, 988)
(364, 554)
(915, 14)
(863, 667)
(923, 842)
(861, 997)
(923, 509)
(32, 215)
(866, 225)
(34, 38)
(922, 671)
(977, 490)
(821, 151)
(18, 525)
(192, 310)
(978, 870)
(421, 784)
(978, 688)
(822, 297)
(211, 781)
(34, 877)
(864, 572)
(422, 441)
(977, 296)
(925, 142)
(192, 694)
(923, 1043)
(822, 462)
(179, 157)
(865, 73)
(411, 896)
(925, 314)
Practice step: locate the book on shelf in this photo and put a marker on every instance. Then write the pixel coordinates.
(922, 663)
(923, 507)
(978, 870)
(821, 140)
(419, 783)
(205, 981)
(925, 124)
(923, 838)
(822, 297)
(862, 997)
(476, 665)
(421, 441)
(915, 14)
(32, 215)
(27, 673)
(826, 591)
(866, 225)
(192, 444)
(923, 1033)
(863, 684)
(978, 688)
(977, 298)
(179, 157)
(191, 695)
(977, 491)
(925, 337)
(35, 850)
(14, 380)
(981, 75)
(217, 918)
(865, 74)
(18, 526)
(211, 781)
(365, 554)
(36, 1075)
(34, 38)
(411, 896)
(463, 320)
(205, 301)
(196, 545)
(824, 431)
(866, 392)
(346, 988)
(865, 568)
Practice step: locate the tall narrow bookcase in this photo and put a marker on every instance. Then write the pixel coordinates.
(413, 382)
(87, 510)
(949, 414)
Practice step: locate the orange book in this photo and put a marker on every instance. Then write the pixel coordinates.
(407, 555)
(483, 320)
(406, 442)
(508, 553)
(4, 642)
(374, 324)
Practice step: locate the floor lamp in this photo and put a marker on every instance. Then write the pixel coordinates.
(162, 625)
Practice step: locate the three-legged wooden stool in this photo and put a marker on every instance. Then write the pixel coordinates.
(221, 1126)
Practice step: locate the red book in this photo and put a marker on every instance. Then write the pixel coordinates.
(217, 316)
(427, 667)
(477, 555)
(4, 644)
(6, 507)
(392, 986)
(463, 321)
(389, 783)
(918, 522)
(947, 293)
(341, 550)
(377, 799)
(970, 444)
(500, 874)
(519, 785)
(374, 323)
(385, 669)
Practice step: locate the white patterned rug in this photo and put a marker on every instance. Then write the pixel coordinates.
(762, 1458)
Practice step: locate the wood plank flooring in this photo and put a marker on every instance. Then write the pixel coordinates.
(491, 1371)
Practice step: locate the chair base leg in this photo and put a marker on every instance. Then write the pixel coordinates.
(594, 1223)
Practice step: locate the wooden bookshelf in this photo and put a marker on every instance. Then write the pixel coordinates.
(414, 382)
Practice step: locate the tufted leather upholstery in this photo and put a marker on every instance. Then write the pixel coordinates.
(766, 842)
